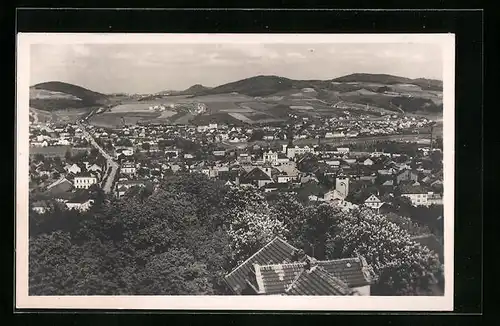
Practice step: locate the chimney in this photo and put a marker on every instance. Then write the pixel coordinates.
(310, 263)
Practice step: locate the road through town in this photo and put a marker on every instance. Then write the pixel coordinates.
(108, 177)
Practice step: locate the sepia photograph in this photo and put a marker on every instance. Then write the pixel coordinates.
(224, 171)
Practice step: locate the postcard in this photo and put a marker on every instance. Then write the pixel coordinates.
(310, 172)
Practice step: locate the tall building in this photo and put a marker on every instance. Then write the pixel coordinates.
(342, 185)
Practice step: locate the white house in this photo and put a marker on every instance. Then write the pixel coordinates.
(84, 181)
(291, 152)
(373, 202)
(219, 153)
(128, 168)
(75, 169)
(284, 178)
(271, 157)
(81, 206)
(343, 150)
(418, 195)
(368, 162)
(94, 168)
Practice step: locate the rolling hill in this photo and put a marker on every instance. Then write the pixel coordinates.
(194, 90)
(55, 95)
(428, 84)
(378, 91)
(268, 85)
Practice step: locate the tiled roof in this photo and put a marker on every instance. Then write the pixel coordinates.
(349, 270)
(275, 252)
(412, 189)
(317, 281)
(256, 174)
(275, 279)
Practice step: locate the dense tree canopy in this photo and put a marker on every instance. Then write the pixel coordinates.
(184, 236)
(401, 265)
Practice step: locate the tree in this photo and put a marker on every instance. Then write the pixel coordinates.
(251, 230)
(174, 271)
(257, 135)
(320, 225)
(94, 152)
(68, 156)
(400, 265)
(292, 214)
(146, 146)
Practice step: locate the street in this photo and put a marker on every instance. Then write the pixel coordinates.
(114, 166)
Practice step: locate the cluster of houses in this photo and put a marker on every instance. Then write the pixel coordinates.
(46, 135)
(268, 168)
(326, 128)
(71, 187)
(286, 170)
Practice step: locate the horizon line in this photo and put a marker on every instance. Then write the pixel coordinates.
(253, 76)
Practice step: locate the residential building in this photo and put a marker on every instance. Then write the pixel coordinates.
(368, 162)
(219, 153)
(75, 169)
(84, 181)
(373, 202)
(81, 205)
(280, 269)
(292, 152)
(271, 157)
(417, 194)
(123, 186)
(406, 175)
(128, 168)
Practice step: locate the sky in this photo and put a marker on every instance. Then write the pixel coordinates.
(151, 68)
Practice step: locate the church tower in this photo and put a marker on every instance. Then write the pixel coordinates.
(342, 185)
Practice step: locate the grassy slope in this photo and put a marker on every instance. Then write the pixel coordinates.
(88, 98)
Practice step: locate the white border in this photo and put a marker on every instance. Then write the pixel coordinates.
(23, 300)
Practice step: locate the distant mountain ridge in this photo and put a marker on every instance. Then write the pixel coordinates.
(361, 88)
(264, 85)
(83, 93)
(76, 96)
(424, 83)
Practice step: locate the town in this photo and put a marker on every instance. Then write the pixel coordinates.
(372, 165)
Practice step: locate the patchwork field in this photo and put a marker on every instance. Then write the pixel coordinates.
(112, 120)
(241, 117)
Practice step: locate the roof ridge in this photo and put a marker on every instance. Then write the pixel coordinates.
(285, 264)
(340, 259)
(276, 238)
